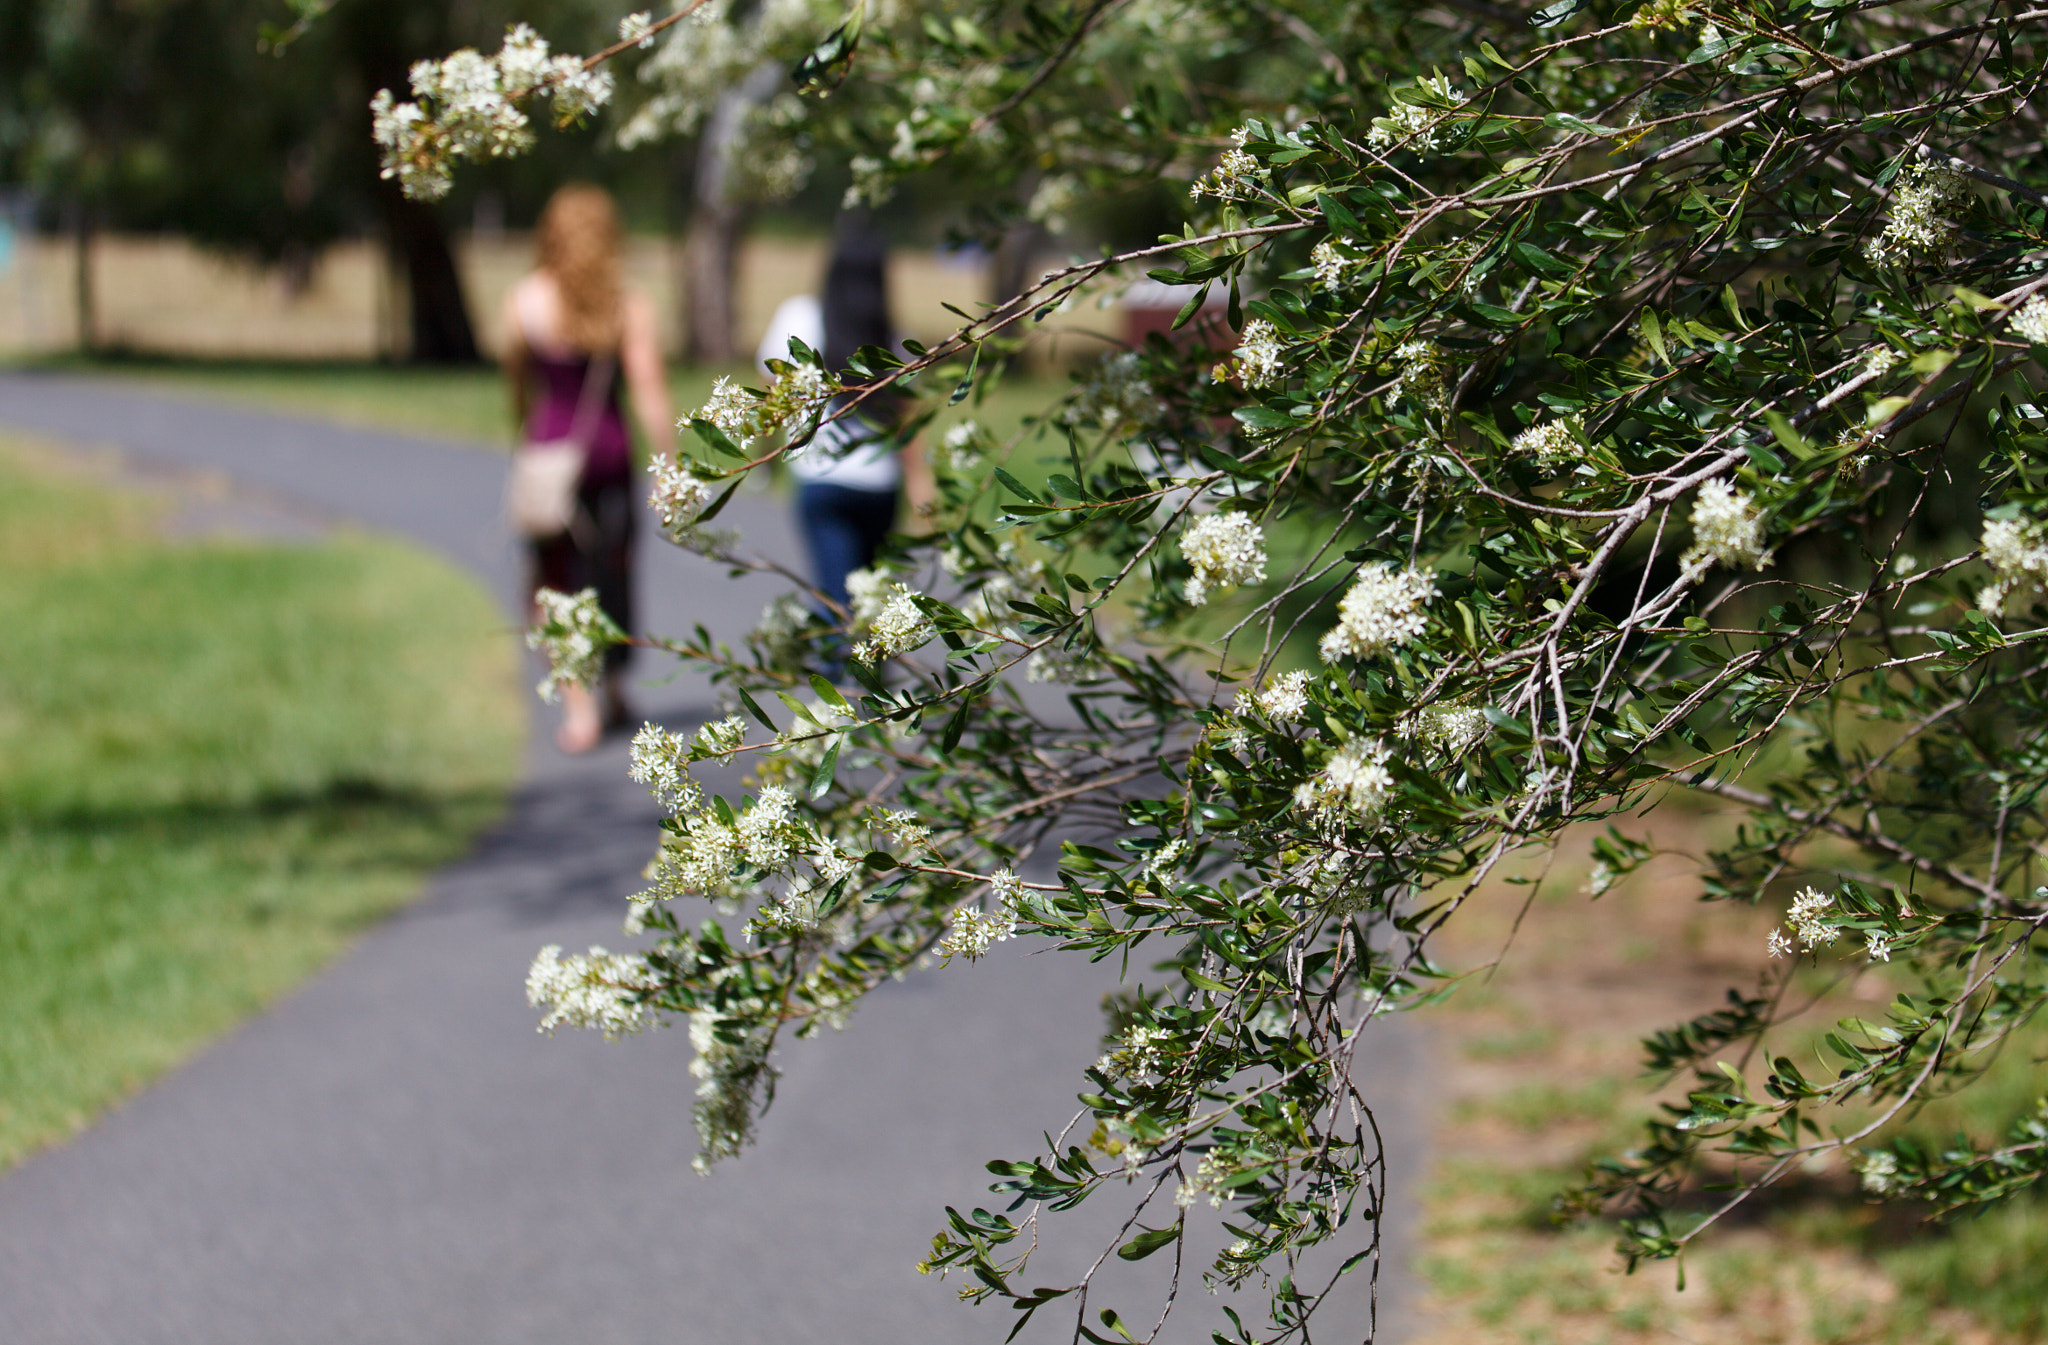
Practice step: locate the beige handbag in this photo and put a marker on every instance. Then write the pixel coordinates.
(540, 493)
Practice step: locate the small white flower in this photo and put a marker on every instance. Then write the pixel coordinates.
(1922, 197)
(1286, 700)
(1726, 529)
(1258, 354)
(1235, 178)
(899, 627)
(660, 760)
(974, 932)
(1551, 443)
(1333, 269)
(573, 632)
(2031, 322)
(1356, 780)
(1136, 1055)
(1224, 550)
(596, 990)
(679, 496)
(1780, 943)
(2017, 552)
(958, 442)
(1382, 610)
(1423, 378)
(1876, 946)
(1880, 1172)
(1455, 729)
(1809, 919)
(634, 28)
(731, 408)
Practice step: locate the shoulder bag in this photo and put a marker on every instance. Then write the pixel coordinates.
(540, 494)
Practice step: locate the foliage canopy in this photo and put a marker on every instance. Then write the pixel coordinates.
(1618, 399)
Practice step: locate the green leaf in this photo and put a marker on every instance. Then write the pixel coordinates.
(828, 693)
(1142, 1246)
(1653, 334)
(1793, 441)
(1016, 487)
(821, 778)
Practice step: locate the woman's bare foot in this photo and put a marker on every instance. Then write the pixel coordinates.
(582, 726)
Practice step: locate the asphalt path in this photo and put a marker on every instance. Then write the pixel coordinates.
(391, 1155)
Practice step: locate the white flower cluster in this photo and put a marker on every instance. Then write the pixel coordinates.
(973, 932)
(1922, 197)
(719, 737)
(1355, 780)
(1382, 610)
(1333, 268)
(597, 989)
(867, 593)
(1808, 920)
(1224, 550)
(732, 409)
(2030, 324)
(1165, 863)
(1115, 393)
(1235, 178)
(1423, 378)
(1258, 355)
(1726, 530)
(698, 858)
(1456, 729)
(573, 632)
(635, 28)
(898, 628)
(707, 54)
(729, 1074)
(679, 497)
(2017, 552)
(1553, 442)
(1880, 1172)
(958, 443)
(798, 393)
(1414, 127)
(1286, 700)
(1136, 1055)
(1207, 1181)
(468, 108)
(661, 761)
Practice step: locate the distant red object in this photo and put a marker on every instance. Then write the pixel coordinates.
(1149, 307)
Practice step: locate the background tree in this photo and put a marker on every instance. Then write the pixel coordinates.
(1634, 400)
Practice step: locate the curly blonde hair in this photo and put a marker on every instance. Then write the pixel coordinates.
(579, 247)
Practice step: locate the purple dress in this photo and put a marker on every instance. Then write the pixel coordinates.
(597, 551)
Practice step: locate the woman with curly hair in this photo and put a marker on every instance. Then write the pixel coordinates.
(571, 331)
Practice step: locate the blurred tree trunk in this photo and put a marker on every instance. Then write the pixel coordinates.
(710, 316)
(420, 251)
(85, 293)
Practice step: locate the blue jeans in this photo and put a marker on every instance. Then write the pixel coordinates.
(842, 531)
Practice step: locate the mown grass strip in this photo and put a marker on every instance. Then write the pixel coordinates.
(218, 763)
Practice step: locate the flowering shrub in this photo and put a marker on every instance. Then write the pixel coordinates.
(1588, 408)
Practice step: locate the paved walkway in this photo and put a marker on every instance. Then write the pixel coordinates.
(393, 1156)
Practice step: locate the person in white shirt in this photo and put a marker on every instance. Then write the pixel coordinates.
(852, 476)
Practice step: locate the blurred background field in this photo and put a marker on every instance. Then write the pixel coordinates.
(165, 295)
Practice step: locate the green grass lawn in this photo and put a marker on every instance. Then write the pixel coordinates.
(218, 763)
